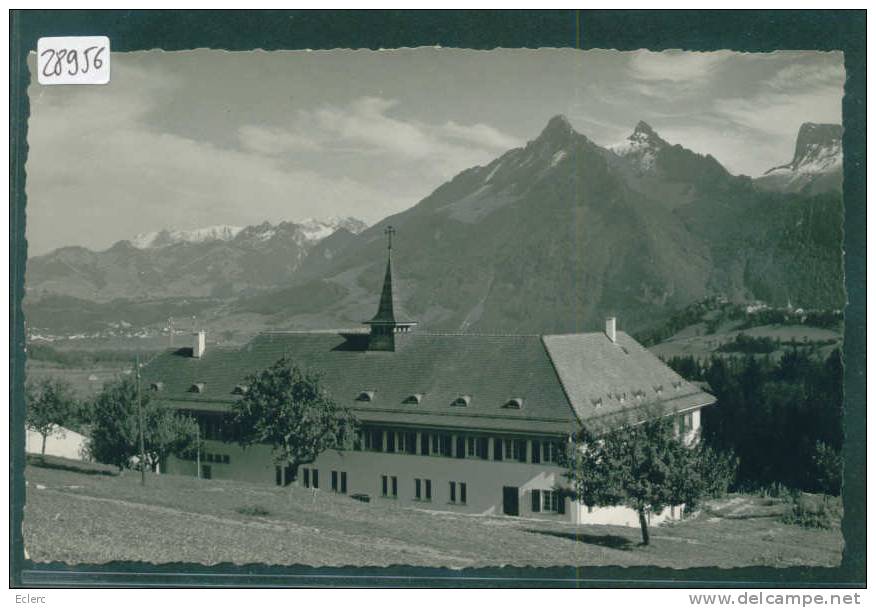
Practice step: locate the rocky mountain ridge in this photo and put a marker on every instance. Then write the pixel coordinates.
(817, 164)
(548, 237)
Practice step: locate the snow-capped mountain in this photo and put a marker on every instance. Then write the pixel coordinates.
(316, 230)
(641, 147)
(817, 164)
(311, 230)
(212, 261)
(548, 237)
(163, 238)
(561, 231)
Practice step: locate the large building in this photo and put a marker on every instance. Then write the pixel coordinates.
(449, 421)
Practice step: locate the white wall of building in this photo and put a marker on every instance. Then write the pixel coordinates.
(484, 479)
(63, 443)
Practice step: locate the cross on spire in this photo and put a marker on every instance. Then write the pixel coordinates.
(385, 324)
(389, 232)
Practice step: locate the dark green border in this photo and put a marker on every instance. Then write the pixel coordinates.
(244, 30)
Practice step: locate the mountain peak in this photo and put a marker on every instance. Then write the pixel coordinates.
(645, 135)
(163, 238)
(641, 146)
(644, 128)
(309, 229)
(816, 135)
(557, 127)
(818, 149)
(810, 129)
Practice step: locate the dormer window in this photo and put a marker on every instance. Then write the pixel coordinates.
(414, 399)
(658, 389)
(597, 403)
(156, 386)
(197, 387)
(240, 389)
(461, 401)
(514, 404)
(365, 396)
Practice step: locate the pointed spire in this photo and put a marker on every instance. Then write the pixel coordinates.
(387, 308)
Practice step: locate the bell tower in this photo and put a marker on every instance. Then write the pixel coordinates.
(389, 320)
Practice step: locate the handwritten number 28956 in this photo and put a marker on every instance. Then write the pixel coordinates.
(71, 59)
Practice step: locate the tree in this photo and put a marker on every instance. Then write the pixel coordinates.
(115, 427)
(702, 472)
(50, 404)
(827, 464)
(166, 433)
(641, 465)
(288, 408)
(772, 414)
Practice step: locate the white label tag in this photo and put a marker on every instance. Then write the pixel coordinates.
(73, 60)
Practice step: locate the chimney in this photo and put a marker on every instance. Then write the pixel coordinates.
(199, 345)
(610, 329)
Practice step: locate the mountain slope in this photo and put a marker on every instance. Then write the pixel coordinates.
(817, 164)
(557, 234)
(549, 237)
(218, 261)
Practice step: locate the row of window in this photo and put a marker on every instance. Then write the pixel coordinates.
(457, 490)
(458, 446)
(542, 501)
(432, 444)
(310, 479)
(515, 403)
(200, 387)
(206, 457)
(210, 427)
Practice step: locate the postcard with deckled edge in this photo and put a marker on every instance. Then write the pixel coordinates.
(435, 308)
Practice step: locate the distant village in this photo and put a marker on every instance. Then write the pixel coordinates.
(756, 311)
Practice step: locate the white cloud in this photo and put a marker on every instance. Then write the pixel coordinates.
(796, 94)
(479, 134)
(674, 66)
(806, 76)
(364, 126)
(97, 173)
(153, 149)
(273, 141)
(97, 161)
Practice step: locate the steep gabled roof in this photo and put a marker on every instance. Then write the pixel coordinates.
(604, 379)
(491, 369)
(558, 378)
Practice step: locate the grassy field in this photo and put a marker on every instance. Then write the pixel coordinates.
(693, 340)
(96, 516)
(85, 381)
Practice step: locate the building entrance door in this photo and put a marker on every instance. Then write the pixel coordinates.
(510, 500)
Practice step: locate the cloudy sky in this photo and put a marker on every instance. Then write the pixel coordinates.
(189, 139)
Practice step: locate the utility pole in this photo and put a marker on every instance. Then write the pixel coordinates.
(140, 417)
(198, 448)
(171, 332)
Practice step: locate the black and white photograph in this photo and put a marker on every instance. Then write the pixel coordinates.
(436, 307)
